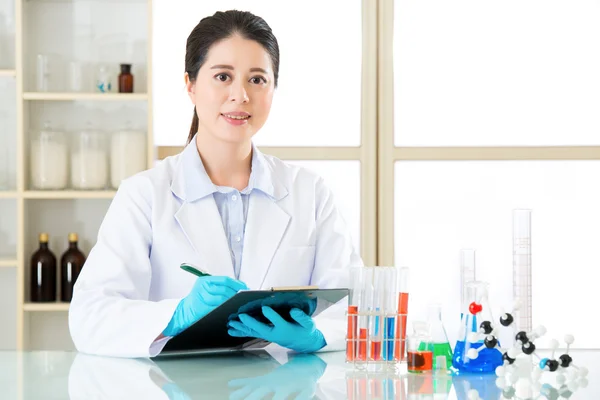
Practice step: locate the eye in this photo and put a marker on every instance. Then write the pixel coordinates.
(222, 77)
(257, 80)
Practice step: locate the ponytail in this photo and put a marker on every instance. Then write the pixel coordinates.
(194, 127)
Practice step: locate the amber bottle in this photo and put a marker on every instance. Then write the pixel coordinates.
(125, 79)
(43, 273)
(71, 264)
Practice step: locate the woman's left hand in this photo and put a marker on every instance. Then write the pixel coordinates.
(301, 336)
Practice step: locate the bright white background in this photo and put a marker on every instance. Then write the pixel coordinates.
(510, 72)
(317, 102)
(442, 207)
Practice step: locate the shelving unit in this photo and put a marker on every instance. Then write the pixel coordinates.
(69, 194)
(45, 307)
(74, 30)
(41, 96)
(8, 263)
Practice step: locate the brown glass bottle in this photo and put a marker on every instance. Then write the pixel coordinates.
(71, 264)
(43, 273)
(125, 79)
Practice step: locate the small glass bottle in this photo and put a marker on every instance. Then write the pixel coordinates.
(128, 154)
(103, 80)
(43, 273)
(89, 164)
(420, 348)
(125, 79)
(49, 160)
(71, 264)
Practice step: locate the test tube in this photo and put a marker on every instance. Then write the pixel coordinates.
(366, 286)
(377, 313)
(391, 312)
(402, 287)
(522, 268)
(353, 300)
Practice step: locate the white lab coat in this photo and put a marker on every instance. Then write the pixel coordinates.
(131, 282)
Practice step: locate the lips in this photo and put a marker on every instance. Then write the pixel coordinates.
(236, 118)
(237, 115)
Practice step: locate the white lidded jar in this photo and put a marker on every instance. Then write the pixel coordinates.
(89, 160)
(128, 154)
(49, 159)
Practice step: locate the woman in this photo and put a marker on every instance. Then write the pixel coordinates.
(248, 219)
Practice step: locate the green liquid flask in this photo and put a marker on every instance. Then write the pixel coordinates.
(442, 351)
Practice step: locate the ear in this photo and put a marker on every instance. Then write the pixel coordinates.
(190, 88)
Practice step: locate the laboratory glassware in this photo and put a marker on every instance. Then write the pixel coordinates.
(522, 278)
(442, 351)
(420, 348)
(478, 311)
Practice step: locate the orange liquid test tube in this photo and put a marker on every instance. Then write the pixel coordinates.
(352, 344)
(400, 350)
(352, 333)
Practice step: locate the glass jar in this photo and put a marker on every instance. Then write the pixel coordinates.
(128, 155)
(89, 163)
(49, 160)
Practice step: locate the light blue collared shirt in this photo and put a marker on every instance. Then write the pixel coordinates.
(232, 204)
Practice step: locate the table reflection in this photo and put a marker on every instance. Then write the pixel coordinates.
(249, 375)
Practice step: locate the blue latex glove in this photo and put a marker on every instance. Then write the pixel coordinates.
(295, 379)
(301, 336)
(208, 293)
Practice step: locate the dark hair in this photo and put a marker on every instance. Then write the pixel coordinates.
(220, 26)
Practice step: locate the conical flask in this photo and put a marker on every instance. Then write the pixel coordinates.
(471, 353)
(442, 351)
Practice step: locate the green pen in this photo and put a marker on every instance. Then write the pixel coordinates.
(193, 270)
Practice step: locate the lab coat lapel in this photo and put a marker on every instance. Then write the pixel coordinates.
(265, 227)
(202, 225)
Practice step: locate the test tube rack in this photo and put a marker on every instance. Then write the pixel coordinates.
(377, 316)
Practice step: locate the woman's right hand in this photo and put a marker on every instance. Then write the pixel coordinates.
(208, 293)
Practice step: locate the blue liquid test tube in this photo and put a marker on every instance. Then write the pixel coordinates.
(390, 294)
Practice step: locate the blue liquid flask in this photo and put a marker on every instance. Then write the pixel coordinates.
(477, 310)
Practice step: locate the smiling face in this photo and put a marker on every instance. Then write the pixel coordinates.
(233, 91)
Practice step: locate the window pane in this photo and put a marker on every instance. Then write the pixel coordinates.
(496, 73)
(317, 102)
(442, 207)
(343, 178)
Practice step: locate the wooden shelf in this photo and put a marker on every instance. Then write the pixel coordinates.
(5, 262)
(46, 306)
(85, 96)
(8, 194)
(8, 72)
(69, 194)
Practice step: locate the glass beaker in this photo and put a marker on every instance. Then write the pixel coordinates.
(442, 351)
(477, 311)
(420, 348)
(49, 160)
(89, 169)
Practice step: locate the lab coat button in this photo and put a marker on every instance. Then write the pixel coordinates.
(234, 197)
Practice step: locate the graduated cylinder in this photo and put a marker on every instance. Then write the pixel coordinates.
(377, 315)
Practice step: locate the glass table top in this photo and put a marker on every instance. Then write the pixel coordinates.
(257, 375)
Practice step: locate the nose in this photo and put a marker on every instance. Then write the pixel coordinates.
(238, 92)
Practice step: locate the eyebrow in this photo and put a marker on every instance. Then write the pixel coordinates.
(223, 66)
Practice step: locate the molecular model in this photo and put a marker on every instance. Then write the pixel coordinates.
(522, 369)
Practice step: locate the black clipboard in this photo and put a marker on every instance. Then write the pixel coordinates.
(209, 334)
